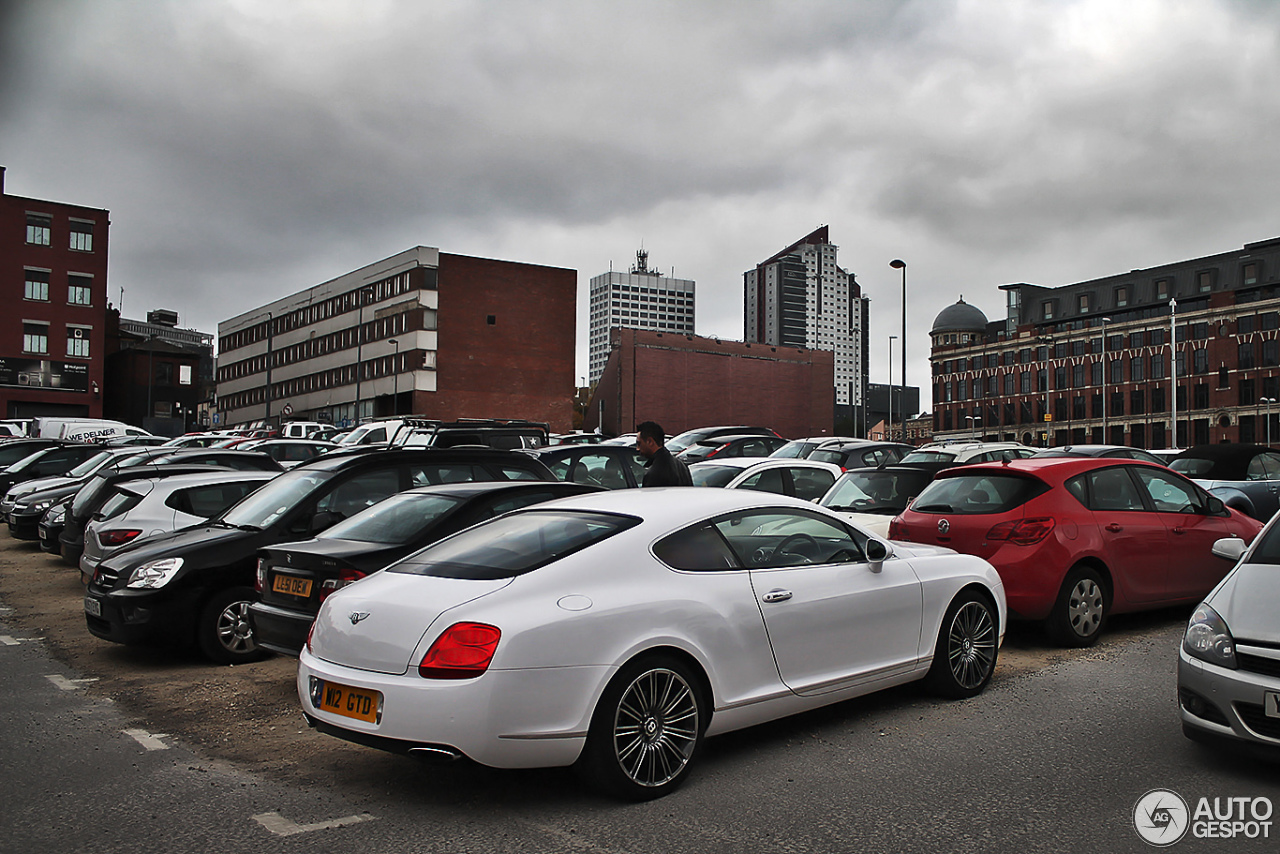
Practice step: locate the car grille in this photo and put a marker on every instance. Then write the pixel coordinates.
(105, 577)
(1257, 664)
(1255, 718)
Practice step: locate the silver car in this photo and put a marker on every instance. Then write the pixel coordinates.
(157, 505)
(1229, 662)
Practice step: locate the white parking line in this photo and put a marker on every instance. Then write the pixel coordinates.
(281, 826)
(68, 684)
(9, 640)
(149, 740)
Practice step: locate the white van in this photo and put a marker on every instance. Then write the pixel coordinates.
(300, 429)
(83, 429)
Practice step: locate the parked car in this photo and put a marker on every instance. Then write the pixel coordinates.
(13, 450)
(801, 448)
(196, 440)
(197, 584)
(1079, 538)
(1108, 451)
(616, 631)
(807, 479)
(50, 527)
(871, 497)
(576, 438)
(293, 579)
(136, 441)
(1245, 477)
(301, 429)
(288, 452)
(47, 462)
(1228, 672)
(45, 490)
(968, 452)
(149, 506)
(861, 454)
(608, 466)
(676, 444)
(729, 446)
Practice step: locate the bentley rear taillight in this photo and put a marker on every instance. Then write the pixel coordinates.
(462, 652)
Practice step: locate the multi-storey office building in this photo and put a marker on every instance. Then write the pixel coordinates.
(1113, 359)
(53, 272)
(639, 299)
(422, 332)
(802, 298)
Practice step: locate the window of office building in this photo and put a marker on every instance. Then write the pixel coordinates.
(78, 342)
(1163, 289)
(35, 337)
(1271, 353)
(1082, 303)
(81, 235)
(1136, 372)
(39, 229)
(1095, 371)
(1157, 366)
(1117, 371)
(1137, 402)
(1247, 394)
(1122, 297)
(1202, 396)
(1046, 309)
(1244, 357)
(1249, 273)
(79, 290)
(1077, 378)
(37, 285)
(1204, 281)
(1246, 323)
(1200, 361)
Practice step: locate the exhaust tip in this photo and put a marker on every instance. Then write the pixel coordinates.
(445, 754)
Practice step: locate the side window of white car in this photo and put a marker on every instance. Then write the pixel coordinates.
(766, 539)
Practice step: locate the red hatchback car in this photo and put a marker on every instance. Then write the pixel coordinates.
(1075, 539)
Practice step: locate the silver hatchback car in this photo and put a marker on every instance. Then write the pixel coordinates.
(1229, 661)
(156, 505)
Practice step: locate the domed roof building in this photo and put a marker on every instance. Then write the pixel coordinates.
(958, 324)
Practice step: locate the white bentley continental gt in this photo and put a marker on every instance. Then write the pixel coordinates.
(615, 631)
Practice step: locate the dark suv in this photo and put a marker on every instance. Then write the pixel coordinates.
(197, 583)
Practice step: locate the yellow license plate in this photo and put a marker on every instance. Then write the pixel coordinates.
(351, 702)
(292, 585)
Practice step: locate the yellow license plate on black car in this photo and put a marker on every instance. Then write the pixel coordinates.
(292, 585)
(358, 703)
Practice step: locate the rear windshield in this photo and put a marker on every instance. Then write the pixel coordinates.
(794, 449)
(393, 521)
(1192, 467)
(513, 545)
(713, 475)
(120, 503)
(977, 493)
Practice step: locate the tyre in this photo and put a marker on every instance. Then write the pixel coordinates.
(646, 729)
(1081, 609)
(968, 641)
(224, 633)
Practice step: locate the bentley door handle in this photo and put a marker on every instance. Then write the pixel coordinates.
(777, 596)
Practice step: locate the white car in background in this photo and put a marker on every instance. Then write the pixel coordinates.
(805, 479)
(615, 631)
(157, 505)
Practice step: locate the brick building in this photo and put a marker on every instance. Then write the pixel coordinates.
(1066, 361)
(684, 381)
(422, 332)
(53, 272)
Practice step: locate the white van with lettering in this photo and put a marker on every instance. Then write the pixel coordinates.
(84, 429)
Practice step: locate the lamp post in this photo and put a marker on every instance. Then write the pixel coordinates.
(899, 264)
(888, 427)
(151, 375)
(972, 419)
(1268, 401)
(1173, 374)
(395, 377)
(360, 299)
(266, 421)
(1105, 369)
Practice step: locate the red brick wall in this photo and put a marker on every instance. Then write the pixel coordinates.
(521, 365)
(684, 382)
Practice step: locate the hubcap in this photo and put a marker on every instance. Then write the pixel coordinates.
(1084, 607)
(235, 632)
(656, 727)
(971, 645)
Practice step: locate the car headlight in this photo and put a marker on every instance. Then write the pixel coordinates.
(56, 515)
(157, 573)
(1209, 639)
(38, 507)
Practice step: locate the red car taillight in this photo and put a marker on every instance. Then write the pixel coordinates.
(897, 530)
(462, 652)
(345, 577)
(1023, 532)
(118, 537)
(716, 451)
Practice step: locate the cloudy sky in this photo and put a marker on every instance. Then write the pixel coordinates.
(249, 149)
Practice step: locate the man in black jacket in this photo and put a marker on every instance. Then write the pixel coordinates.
(662, 468)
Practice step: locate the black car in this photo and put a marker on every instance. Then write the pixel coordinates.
(609, 466)
(197, 584)
(12, 450)
(862, 454)
(731, 445)
(51, 526)
(47, 462)
(294, 578)
(188, 461)
(1122, 452)
(678, 443)
(1245, 477)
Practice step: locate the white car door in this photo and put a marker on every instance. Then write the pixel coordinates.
(834, 620)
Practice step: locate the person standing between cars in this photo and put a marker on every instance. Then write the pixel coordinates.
(662, 469)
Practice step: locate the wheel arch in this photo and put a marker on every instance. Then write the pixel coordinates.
(704, 686)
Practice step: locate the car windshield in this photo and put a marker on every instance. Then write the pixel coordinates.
(23, 463)
(1267, 548)
(90, 465)
(280, 495)
(513, 545)
(395, 520)
(929, 457)
(885, 492)
(1192, 467)
(707, 475)
(977, 493)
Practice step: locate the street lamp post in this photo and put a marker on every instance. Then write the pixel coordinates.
(1105, 369)
(1173, 374)
(973, 420)
(1268, 401)
(266, 421)
(888, 426)
(395, 377)
(899, 264)
(360, 300)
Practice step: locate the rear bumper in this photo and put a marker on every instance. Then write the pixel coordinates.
(280, 630)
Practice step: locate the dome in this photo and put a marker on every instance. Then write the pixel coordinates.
(960, 317)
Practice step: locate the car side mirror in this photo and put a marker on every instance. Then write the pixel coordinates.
(878, 551)
(1214, 506)
(1229, 548)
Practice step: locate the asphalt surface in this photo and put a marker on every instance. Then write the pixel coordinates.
(1050, 759)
